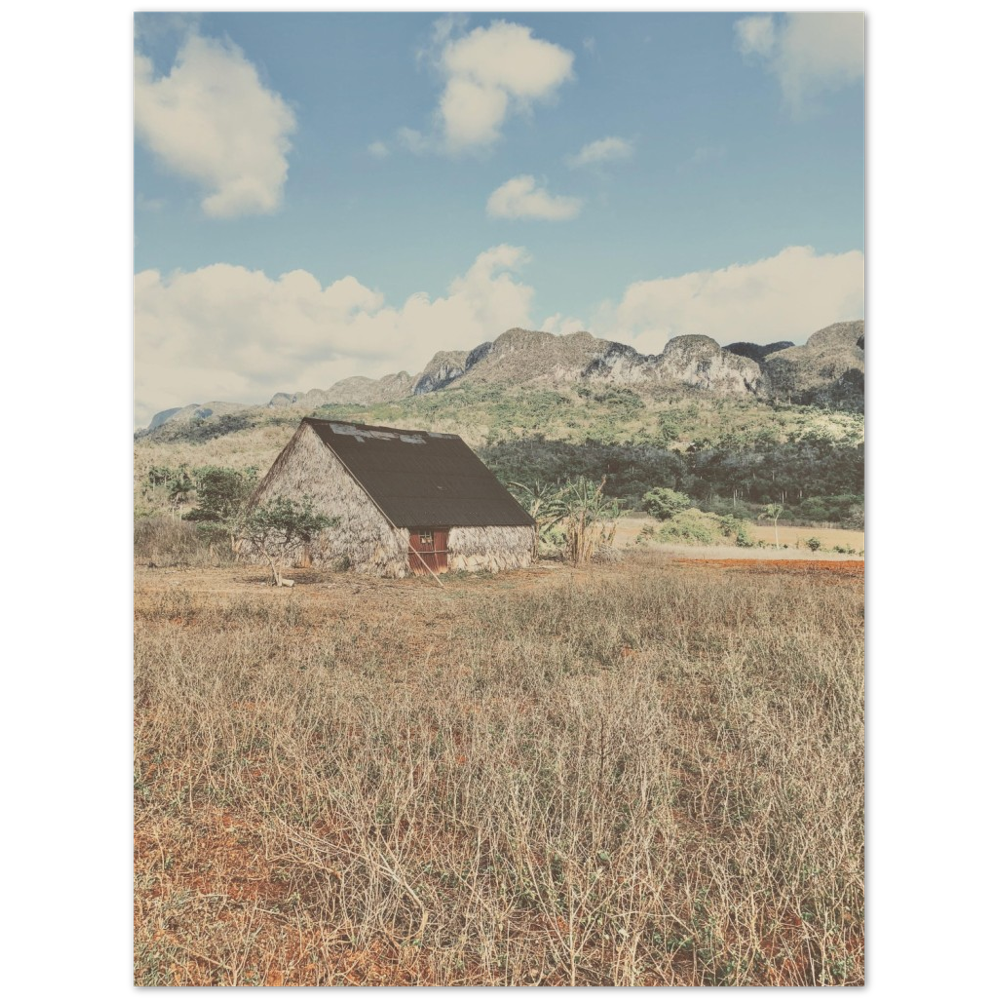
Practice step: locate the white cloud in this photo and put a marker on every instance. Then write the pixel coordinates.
(785, 297)
(602, 151)
(808, 52)
(562, 325)
(378, 149)
(472, 113)
(755, 34)
(490, 73)
(211, 120)
(413, 140)
(224, 332)
(521, 198)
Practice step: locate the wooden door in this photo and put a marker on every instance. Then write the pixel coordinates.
(429, 550)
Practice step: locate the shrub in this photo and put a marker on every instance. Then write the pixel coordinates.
(691, 527)
(814, 544)
(736, 529)
(665, 504)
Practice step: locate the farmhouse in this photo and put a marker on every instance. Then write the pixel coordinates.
(406, 501)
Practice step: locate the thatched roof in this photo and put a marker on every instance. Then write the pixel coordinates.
(419, 478)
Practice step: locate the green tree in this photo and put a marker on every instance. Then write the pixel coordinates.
(278, 526)
(222, 497)
(664, 504)
(668, 428)
(543, 501)
(175, 483)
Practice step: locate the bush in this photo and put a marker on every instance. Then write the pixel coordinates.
(814, 544)
(691, 527)
(736, 529)
(665, 504)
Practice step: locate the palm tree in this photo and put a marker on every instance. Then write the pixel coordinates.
(772, 512)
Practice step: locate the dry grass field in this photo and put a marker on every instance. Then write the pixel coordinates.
(645, 773)
(628, 529)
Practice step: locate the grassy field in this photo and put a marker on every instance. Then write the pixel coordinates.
(628, 530)
(650, 772)
(795, 537)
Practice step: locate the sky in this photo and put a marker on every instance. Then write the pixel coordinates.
(322, 195)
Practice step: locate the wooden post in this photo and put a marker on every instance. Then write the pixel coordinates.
(426, 567)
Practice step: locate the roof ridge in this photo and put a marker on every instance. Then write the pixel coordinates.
(376, 427)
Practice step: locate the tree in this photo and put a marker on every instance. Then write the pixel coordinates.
(586, 513)
(772, 512)
(222, 497)
(278, 526)
(664, 504)
(543, 502)
(176, 483)
(668, 428)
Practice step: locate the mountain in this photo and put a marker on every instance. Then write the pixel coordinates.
(757, 352)
(827, 370)
(194, 411)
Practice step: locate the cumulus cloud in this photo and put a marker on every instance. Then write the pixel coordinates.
(562, 325)
(521, 198)
(488, 74)
(211, 120)
(378, 149)
(808, 52)
(225, 332)
(602, 151)
(785, 297)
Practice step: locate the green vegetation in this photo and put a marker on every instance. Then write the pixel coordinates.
(730, 457)
(222, 498)
(664, 504)
(695, 527)
(772, 512)
(589, 517)
(275, 528)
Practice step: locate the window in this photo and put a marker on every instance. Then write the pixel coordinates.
(426, 537)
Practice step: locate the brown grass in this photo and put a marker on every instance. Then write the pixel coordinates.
(795, 537)
(629, 529)
(643, 773)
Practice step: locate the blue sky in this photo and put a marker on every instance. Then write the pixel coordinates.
(325, 195)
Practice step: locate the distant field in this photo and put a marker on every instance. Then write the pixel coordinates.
(644, 773)
(629, 528)
(795, 538)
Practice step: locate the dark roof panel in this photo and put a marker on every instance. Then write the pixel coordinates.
(421, 479)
